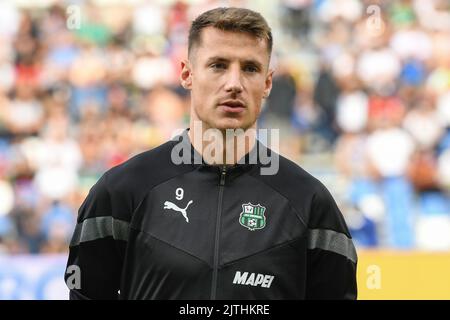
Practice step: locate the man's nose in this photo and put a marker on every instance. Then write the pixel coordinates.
(234, 84)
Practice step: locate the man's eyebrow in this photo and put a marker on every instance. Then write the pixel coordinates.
(245, 62)
(217, 59)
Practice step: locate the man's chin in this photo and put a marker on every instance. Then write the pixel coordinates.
(232, 125)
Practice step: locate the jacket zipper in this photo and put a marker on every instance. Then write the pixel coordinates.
(223, 174)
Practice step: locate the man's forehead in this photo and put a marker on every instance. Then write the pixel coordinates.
(230, 44)
(211, 36)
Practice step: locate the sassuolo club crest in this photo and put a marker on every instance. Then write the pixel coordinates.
(252, 216)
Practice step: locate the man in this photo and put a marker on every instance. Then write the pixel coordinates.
(214, 226)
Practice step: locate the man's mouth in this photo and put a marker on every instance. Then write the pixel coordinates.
(232, 106)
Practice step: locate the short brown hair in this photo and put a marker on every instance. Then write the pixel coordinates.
(231, 19)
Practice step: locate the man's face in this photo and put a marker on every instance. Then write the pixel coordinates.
(228, 77)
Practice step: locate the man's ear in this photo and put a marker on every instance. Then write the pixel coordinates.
(268, 84)
(186, 74)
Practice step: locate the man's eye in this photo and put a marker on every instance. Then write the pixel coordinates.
(218, 66)
(250, 69)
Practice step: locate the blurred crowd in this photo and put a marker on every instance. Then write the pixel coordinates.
(361, 88)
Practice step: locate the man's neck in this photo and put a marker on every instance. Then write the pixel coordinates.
(222, 147)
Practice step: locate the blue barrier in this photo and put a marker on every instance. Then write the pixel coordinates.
(33, 277)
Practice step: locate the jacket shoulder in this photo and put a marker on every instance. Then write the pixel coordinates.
(142, 168)
(309, 194)
(298, 186)
(290, 179)
(124, 186)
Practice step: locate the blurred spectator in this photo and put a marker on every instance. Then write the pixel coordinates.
(87, 75)
(57, 226)
(352, 111)
(280, 102)
(151, 69)
(389, 151)
(295, 15)
(24, 114)
(349, 10)
(378, 68)
(279, 109)
(57, 158)
(422, 122)
(325, 96)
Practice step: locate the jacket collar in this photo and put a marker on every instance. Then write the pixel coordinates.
(247, 162)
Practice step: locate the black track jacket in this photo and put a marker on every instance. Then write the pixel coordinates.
(152, 229)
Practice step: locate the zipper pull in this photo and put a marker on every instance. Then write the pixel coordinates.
(222, 175)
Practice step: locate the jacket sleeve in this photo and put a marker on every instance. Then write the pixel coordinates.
(96, 249)
(331, 255)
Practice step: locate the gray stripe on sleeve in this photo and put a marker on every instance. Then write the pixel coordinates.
(98, 228)
(333, 241)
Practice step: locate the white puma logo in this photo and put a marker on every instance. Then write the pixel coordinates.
(173, 206)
